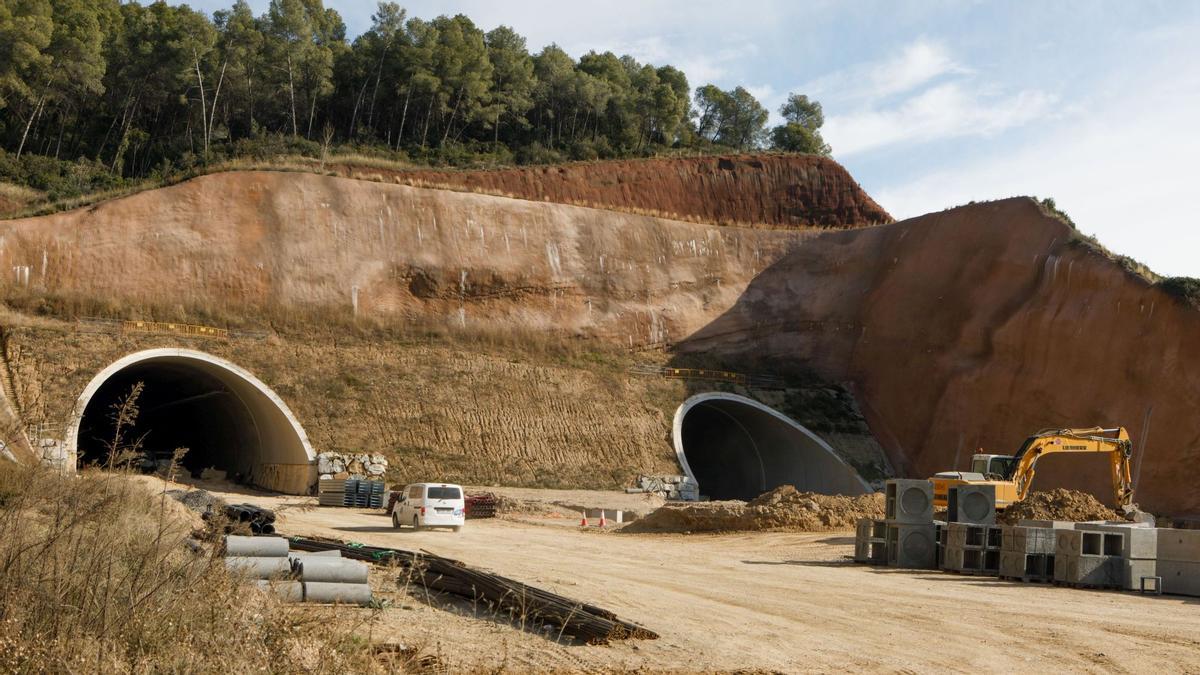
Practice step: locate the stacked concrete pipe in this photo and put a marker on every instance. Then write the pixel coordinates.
(323, 577)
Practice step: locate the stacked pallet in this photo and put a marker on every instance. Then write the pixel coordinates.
(365, 494)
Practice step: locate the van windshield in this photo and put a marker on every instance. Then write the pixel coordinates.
(444, 493)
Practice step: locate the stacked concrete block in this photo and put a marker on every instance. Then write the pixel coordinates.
(1027, 553)
(870, 541)
(911, 539)
(972, 549)
(1089, 559)
(1179, 561)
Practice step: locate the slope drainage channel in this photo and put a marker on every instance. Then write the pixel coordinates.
(225, 417)
(737, 448)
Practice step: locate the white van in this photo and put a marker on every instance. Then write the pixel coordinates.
(430, 505)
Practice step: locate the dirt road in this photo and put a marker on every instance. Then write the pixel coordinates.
(769, 601)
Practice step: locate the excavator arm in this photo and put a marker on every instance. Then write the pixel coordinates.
(1113, 442)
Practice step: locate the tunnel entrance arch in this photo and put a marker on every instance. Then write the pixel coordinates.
(737, 448)
(226, 417)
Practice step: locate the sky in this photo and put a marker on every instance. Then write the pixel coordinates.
(935, 103)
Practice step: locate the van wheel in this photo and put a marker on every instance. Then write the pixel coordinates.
(395, 520)
(458, 528)
(416, 525)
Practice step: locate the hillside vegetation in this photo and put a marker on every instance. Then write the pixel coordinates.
(94, 95)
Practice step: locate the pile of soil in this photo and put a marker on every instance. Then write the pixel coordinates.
(1059, 504)
(782, 509)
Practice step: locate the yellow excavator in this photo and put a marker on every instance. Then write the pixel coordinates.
(1013, 474)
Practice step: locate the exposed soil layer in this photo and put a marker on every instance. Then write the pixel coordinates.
(1058, 504)
(781, 509)
(773, 190)
(976, 327)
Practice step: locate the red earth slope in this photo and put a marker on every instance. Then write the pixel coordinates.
(976, 327)
(771, 190)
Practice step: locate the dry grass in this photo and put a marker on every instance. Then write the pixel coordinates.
(95, 577)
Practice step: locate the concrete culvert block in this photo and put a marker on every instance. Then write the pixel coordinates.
(256, 547)
(287, 591)
(259, 568)
(973, 504)
(331, 570)
(912, 546)
(345, 594)
(909, 501)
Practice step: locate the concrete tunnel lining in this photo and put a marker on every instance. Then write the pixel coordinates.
(737, 448)
(272, 448)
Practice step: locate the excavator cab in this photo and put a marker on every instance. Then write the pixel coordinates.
(993, 467)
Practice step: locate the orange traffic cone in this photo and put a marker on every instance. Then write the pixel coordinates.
(583, 523)
(603, 522)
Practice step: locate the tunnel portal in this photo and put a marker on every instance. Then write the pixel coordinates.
(737, 448)
(225, 417)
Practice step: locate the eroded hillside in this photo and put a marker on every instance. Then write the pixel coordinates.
(263, 246)
(976, 327)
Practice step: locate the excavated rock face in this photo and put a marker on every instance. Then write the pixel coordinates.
(264, 244)
(771, 190)
(976, 327)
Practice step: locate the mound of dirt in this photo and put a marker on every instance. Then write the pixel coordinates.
(1059, 504)
(781, 509)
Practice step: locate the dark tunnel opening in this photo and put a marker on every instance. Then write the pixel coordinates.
(180, 406)
(225, 417)
(737, 448)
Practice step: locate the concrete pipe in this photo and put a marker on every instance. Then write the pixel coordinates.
(287, 591)
(331, 570)
(256, 547)
(345, 594)
(301, 555)
(259, 568)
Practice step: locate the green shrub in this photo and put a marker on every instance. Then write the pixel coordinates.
(1184, 288)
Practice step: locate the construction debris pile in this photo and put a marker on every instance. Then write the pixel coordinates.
(784, 509)
(323, 577)
(533, 606)
(339, 465)
(1107, 553)
(680, 488)
(1058, 504)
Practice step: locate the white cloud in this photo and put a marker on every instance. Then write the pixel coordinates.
(918, 63)
(944, 111)
(1124, 170)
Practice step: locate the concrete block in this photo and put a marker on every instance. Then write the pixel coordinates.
(974, 536)
(1027, 566)
(1052, 524)
(911, 545)
(1138, 542)
(1089, 542)
(1179, 578)
(973, 504)
(1099, 571)
(909, 501)
(1019, 539)
(1179, 545)
(1132, 572)
(971, 560)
